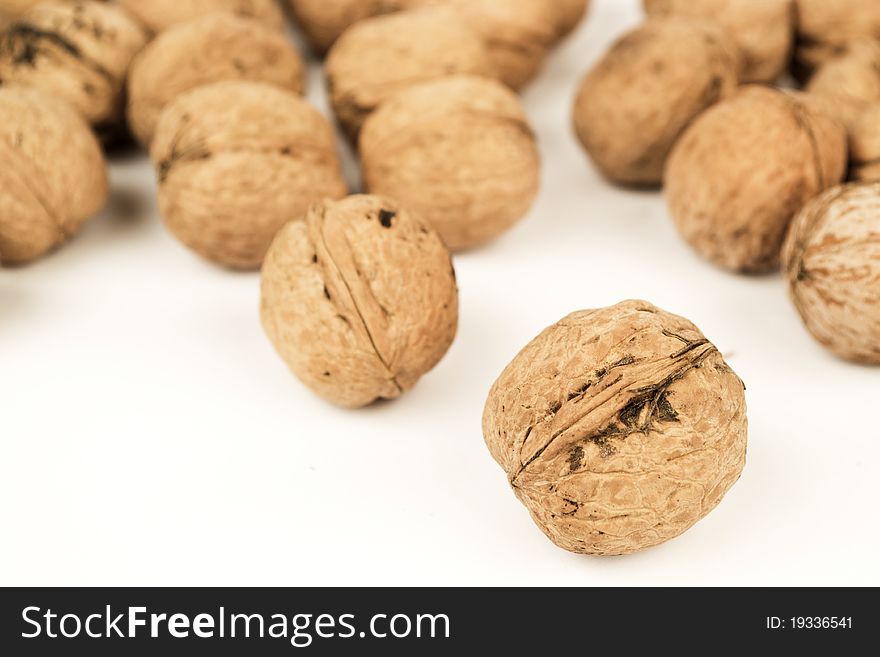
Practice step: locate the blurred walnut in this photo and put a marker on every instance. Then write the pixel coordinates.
(238, 160)
(618, 428)
(639, 98)
(745, 167)
(380, 56)
(864, 144)
(458, 151)
(763, 29)
(158, 15)
(53, 176)
(832, 262)
(826, 27)
(359, 299)
(79, 51)
(571, 13)
(850, 81)
(209, 49)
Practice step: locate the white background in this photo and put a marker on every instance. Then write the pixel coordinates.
(150, 435)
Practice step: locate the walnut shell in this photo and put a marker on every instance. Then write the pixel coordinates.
(864, 145)
(635, 103)
(52, 173)
(210, 49)
(11, 9)
(79, 51)
(458, 151)
(238, 160)
(618, 428)
(159, 15)
(359, 299)
(382, 55)
(324, 21)
(850, 81)
(832, 262)
(745, 167)
(763, 29)
(826, 27)
(518, 34)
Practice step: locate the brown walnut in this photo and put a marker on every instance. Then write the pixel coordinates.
(380, 56)
(826, 27)
(159, 15)
(745, 167)
(458, 151)
(359, 299)
(618, 428)
(237, 161)
(635, 103)
(832, 263)
(763, 29)
(52, 173)
(214, 48)
(850, 81)
(79, 51)
(864, 145)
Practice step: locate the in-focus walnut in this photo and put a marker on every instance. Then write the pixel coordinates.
(618, 428)
(159, 15)
(639, 98)
(53, 176)
(826, 27)
(238, 160)
(79, 51)
(864, 146)
(380, 56)
(832, 262)
(359, 299)
(214, 48)
(458, 151)
(763, 29)
(850, 81)
(745, 167)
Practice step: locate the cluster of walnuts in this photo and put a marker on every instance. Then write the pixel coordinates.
(618, 428)
(688, 100)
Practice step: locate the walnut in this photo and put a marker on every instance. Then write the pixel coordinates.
(359, 299)
(379, 56)
(826, 27)
(618, 428)
(238, 160)
(159, 15)
(458, 151)
(832, 262)
(639, 98)
(79, 51)
(850, 81)
(53, 176)
(324, 21)
(214, 48)
(763, 29)
(12, 9)
(864, 144)
(745, 167)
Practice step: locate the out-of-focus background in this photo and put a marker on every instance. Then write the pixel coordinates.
(151, 436)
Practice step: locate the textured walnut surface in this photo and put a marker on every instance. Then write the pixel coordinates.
(763, 29)
(635, 103)
(79, 51)
(618, 428)
(826, 27)
(158, 15)
(380, 56)
(359, 299)
(460, 152)
(832, 263)
(205, 50)
(238, 160)
(52, 173)
(850, 81)
(745, 167)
